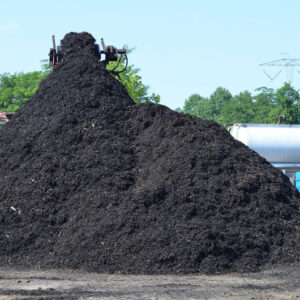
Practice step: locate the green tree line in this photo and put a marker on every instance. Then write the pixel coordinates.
(264, 107)
(17, 88)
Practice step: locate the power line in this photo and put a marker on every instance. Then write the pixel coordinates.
(289, 65)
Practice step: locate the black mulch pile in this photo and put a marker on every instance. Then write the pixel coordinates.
(89, 180)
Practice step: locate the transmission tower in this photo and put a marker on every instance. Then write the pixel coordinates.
(288, 65)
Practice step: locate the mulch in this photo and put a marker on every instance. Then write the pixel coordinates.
(90, 180)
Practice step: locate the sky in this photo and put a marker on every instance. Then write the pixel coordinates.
(182, 47)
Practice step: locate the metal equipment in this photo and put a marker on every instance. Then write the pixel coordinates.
(5, 117)
(111, 54)
(288, 64)
(54, 54)
(277, 143)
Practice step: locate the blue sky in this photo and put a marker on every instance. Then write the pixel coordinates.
(182, 47)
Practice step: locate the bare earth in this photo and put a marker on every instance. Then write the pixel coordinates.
(283, 283)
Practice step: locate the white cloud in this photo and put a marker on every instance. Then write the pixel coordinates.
(9, 26)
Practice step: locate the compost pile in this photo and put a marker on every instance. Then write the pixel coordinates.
(91, 181)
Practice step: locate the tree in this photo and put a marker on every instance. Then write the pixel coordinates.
(239, 109)
(191, 103)
(286, 103)
(133, 82)
(218, 98)
(263, 103)
(198, 106)
(17, 88)
(264, 107)
(207, 108)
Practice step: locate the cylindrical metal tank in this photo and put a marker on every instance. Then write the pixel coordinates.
(279, 144)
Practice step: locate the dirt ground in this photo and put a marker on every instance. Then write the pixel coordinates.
(283, 283)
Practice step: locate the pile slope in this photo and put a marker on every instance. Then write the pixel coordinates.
(89, 180)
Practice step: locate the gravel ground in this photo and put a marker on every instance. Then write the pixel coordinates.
(280, 283)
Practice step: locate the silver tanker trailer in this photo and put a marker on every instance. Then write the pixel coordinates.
(279, 144)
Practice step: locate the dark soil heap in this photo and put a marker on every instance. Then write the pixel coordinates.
(90, 180)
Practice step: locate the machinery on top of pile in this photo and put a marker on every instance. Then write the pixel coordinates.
(5, 117)
(111, 54)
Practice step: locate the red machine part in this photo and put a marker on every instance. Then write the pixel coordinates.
(4, 117)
